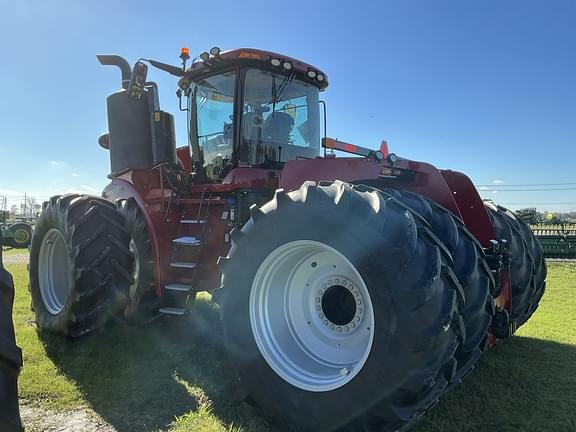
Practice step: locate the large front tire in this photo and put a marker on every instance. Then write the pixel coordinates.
(307, 266)
(79, 264)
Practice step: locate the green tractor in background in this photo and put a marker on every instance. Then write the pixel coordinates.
(16, 233)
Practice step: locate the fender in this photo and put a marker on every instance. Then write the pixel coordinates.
(425, 179)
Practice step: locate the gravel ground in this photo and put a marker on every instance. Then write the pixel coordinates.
(43, 420)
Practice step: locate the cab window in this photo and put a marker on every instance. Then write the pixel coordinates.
(214, 99)
(280, 119)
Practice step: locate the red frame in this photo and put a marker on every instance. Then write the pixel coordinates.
(450, 189)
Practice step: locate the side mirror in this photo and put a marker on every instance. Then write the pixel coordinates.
(137, 80)
(104, 141)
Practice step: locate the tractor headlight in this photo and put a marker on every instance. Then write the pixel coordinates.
(287, 65)
(214, 51)
(311, 74)
(320, 77)
(205, 56)
(275, 62)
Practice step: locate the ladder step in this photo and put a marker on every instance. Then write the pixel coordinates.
(187, 241)
(183, 265)
(172, 310)
(180, 288)
(193, 221)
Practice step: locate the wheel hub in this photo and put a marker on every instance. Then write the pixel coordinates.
(21, 236)
(311, 315)
(339, 305)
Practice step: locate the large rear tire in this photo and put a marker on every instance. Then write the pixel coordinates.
(10, 356)
(143, 303)
(80, 264)
(305, 268)
(528, 267)
(470, 267)
(21, 235)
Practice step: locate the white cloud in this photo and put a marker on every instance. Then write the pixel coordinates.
(75, 175)
(494, 192)
(482, 188)
(497, 181)
(56, 163)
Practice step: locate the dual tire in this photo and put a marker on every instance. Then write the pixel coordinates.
(143, 303)
(80, 264)
(528, 266)
(472, 271)
(340, 243)
(91, 260)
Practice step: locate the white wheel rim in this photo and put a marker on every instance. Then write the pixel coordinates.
(53, 271)
(311, 315)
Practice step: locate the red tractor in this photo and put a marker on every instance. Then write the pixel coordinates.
(354, 291)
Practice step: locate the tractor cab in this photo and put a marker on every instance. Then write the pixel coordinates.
(251, 108)
(245, 108)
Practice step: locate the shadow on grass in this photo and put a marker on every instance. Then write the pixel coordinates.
(141, 378)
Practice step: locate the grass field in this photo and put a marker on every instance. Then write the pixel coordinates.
(174, 375)
(11, 251)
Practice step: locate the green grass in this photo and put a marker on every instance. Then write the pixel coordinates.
(174, 375)
(6, 250)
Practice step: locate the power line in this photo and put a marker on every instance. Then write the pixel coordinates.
(526, 190)
(525, 184)
(537, 203)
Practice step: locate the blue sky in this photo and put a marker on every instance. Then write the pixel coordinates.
(484, 87)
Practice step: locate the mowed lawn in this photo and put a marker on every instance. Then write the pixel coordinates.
(174, 374)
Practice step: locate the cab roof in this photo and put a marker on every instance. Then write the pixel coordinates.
(243, 57)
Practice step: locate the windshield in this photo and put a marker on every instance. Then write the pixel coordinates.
(214, 107)
(280, 119)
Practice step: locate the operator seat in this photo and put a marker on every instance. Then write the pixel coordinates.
(277, 128)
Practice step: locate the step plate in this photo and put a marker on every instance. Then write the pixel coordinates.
(179, 288)
(187, 241)
(172, 311)
(183, 265)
